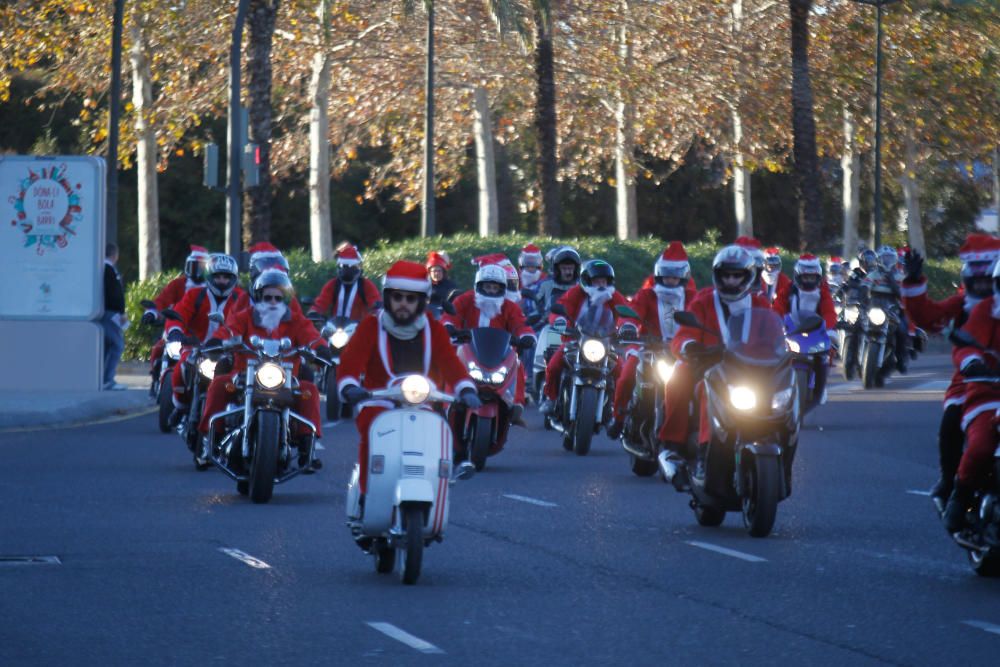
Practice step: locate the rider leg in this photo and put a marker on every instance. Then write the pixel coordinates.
(821, 368)
(950, 441)
(981, 439)
(624, 386)
(216, 399)
(676, 406)
(364, 421)
(553, 372)
(155, 353)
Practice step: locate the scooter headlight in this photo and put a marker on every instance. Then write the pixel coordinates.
(207, 368)
(270, 376)
(415, 389)
(742, 398)
(665, 370)
(781, 399)
(593, 351)
(339, 338)
(173, 349)
(876, 316)
(793, 346)
(851, 314)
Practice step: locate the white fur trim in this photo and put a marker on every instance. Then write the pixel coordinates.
(958, 400)
(407, 285)
(976, 411)
(968, 360)
(913, 290)
(464, 384)
(345, 381)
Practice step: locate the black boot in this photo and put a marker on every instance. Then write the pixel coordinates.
(957, 507)
(615, 430)
(941, 491)
(517, 416)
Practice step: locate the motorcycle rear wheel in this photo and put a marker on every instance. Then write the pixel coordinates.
(265, 456)
(413, 551)
(166, 403)
(482, 438)
(586, 417)
(760, 499)
(985, 564)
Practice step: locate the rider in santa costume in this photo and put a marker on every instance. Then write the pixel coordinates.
(350, 294)
(192, 278)
(773, 281)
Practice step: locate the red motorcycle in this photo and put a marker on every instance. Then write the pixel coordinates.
(492, 362)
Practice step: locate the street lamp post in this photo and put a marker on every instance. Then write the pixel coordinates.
(878, 4)
(235, 133)
(111, 224)
(427, 220)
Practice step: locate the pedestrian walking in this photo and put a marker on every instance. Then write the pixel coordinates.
(114, 321)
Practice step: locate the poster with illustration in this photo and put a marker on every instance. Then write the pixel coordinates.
(52, 212)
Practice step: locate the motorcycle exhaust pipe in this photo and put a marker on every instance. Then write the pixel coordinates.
(667, 467)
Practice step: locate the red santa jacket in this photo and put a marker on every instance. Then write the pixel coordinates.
(788, 301)
(467, 316)
(366, 361)
(195, 308)
(647, 304)
(981, 325)
(771, 292)
(934, 316)
(707, 307)
(172, 293)
(355, 306)
(651, 280)
(246, 323)
(574, 300)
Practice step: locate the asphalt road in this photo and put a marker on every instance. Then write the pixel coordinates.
(549, 558)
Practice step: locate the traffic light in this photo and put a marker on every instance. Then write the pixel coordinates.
(211, 176)
(251, 166)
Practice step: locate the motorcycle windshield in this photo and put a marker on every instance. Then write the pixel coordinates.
(757, 335)
(596, 322)
(490, 346)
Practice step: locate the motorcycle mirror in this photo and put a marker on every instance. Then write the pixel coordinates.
(626, 311)
(464, 470)
(686, 319)
(146, 303)
(285, 344)
(255, 341)
(172, 314)
(327, 331)
(558, 309)
(218, 318)
(448, 307)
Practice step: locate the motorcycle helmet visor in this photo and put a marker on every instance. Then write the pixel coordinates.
(491, 288)
(772, 262)
(348, 273)
(807, 281)
(668, 281)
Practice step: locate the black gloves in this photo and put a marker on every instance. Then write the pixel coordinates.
(525, 343)
(149, 318)
(693, 348)
(175, 336)
(914, 264)
(324, 352)
(976, 369)
(353, 394)
(212, 345)
(470, 399)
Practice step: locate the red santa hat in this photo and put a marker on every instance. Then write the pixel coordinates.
(808, 263)
(263, 249)
(979, 248)
(673, 257)
(407, 276)
(348, 255)
(748, 243)
(493, 258)
(198, 252)
(836, 259)
(438, 258)
(772, 251)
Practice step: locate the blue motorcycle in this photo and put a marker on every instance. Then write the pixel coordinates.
(809, 344)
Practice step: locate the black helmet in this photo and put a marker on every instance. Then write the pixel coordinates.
(733, 259)
(562, 255)
(222, 275)
(597, 268)
(973, 274)
(273, 278)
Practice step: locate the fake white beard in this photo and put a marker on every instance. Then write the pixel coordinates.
(489, 306)
(514, 296)
(599, 295)
(529, 279)
(809, 300)
(270, 314)
(671, 296)
(770, 277)
(739, 306)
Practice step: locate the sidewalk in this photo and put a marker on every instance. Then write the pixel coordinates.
(55, 408)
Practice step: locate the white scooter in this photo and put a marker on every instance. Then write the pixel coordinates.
(409, 472)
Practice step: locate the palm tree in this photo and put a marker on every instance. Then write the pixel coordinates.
(804, 130)
(550, 207)
(257, 205)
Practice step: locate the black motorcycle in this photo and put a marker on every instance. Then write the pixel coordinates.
(161, 382)
(199, 369)
(753, 410)
(850, 323)
(877, 353)
(340, 330)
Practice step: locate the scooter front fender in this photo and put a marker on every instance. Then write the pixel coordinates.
(413, 491)
(488, 410)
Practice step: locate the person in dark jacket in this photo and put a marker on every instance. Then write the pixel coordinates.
(113, 321)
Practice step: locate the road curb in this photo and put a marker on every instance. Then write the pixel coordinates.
(69, 412)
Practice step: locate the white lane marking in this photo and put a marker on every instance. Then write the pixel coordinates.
(532, 501)
(331, 424)
(246, 558)
(935, 385)
(390, 630)
(916, 492)
(988, 627)
(319, 446)
(732, 553)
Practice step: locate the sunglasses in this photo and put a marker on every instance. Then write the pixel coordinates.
(272, 298)
(404, 297)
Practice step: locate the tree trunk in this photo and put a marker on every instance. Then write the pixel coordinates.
(627, 215)
(257, 203)
(804, 131)
(549, 210)
(996, 181)
(850, 164)
(741, 181)
(489, 214)
(911, 195)
(320, 233)
(142, 101)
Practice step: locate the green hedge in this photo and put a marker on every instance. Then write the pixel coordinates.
(633, 261)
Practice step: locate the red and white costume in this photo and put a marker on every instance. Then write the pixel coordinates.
(792, 298)
(982, 399)
(355, 300)
(172, 294)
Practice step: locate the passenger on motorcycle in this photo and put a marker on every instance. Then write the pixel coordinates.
(270, 317)
(443, 288)
(219, 295)
(593, 299)
(978, 254)
(773, 281)
(531, 277)
(733, 271)
(672, 292)
(982, 400)
(487, 306)
(350, 294)
(396, 341)
(192, 278)
(564, 270)
(809, 292)
(754, 247)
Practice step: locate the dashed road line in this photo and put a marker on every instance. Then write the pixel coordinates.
(732, 553)
(918, 492)
(982, 625)
(390, 630)
(530, 501)
(244, 557)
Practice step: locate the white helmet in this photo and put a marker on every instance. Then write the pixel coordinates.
(491, 273)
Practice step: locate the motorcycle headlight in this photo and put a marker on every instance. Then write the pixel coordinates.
(876, 316)
(476, 373)
(742, 398)
(665, 370)
(793, 346)
(781, 399)
(593, 351)
(819, 347)
(415, 389)
(270, 376)
(173, 349)
(339, 338)
(207, 368)
(498, 376)
(851, 314)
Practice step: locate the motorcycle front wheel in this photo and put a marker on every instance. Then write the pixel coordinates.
(586, 417)
(166, 403)
(870, 370)
(332, 397)
(850, 358)
(412, 551)
(265, 456)
(760, 495)
(482, 438)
